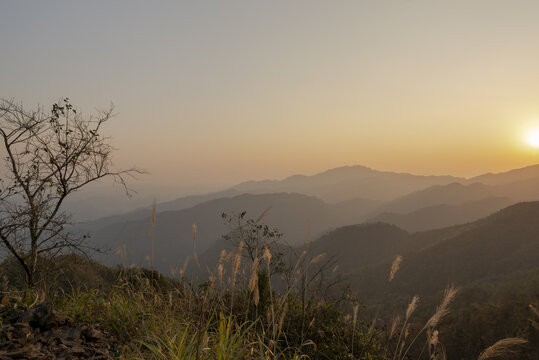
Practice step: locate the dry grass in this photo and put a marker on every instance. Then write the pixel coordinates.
(503, 349)
(237, 314)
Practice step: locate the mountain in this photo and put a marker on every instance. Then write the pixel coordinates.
(146, 211)
(172, 236)
(348, 182)
(443, 215)
(496, 249)
(435, 201)
(344, 184)
(491, 249)
(334, 185)
(525, 173)
(363, 245)
(450, 194)
(445, 205)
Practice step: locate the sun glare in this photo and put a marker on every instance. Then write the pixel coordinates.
(532, 138)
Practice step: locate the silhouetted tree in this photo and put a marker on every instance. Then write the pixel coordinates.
(48, 156)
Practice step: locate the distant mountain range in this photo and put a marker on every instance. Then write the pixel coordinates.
(321, 202)
(345, 183)
(443, 215)
(295, 215)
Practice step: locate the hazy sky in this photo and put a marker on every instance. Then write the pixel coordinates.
(216, 92)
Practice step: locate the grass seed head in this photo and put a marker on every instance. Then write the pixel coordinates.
(411, 307)
(395, 267)
(502, 349)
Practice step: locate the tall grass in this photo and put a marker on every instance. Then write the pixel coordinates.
(245, 310)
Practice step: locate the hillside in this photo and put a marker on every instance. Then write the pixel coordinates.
(444, 215)
(173, 237)
(525, 173)
(498, 248)
(359, 246)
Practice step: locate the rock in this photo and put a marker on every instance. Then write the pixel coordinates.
(35, 314)
(41, 334)
(91, 334)
(47, 321)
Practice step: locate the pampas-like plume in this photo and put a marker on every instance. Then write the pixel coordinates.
(220, 274)
(281, 319)
(237, 261)
(395, 267)
(407, 331)
(154, 211)
(254, 286)
(253, 281)
(222, 256)
(195, 256)
(502, 349)
(307, 235)
(264, 213)
(411, 307)
(184, 268)
(301, 256)
(442, 309)
(534, 309)
(535, 324)
(354, 317)
(433, 339)
(266, 255)
(317, 259)
(394, 325)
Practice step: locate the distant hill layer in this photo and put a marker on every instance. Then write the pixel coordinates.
(501, 247)
(172, 237)
(348, 182)
(444, 215)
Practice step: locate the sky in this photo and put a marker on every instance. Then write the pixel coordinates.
(212, 93)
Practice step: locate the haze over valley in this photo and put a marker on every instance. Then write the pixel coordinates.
(301, 206)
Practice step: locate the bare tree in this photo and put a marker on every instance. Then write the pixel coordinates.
(256, 237)
(48, 156)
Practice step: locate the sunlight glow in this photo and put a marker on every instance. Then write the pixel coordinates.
(532, 138)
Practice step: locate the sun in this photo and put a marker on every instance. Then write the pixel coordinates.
(532, 138)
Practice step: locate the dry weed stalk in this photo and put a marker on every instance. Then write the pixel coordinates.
(253, 282)
(354, 321)
(405, 326)
(184, 268)
(395, 267)
(264, 213)
(502, 349)
(152, 229)
(394, 325)
(317, 259)
(442, 309)
(220, 274)
(195, 256)
(412, 307)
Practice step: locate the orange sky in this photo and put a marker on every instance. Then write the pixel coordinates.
(213, 93)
